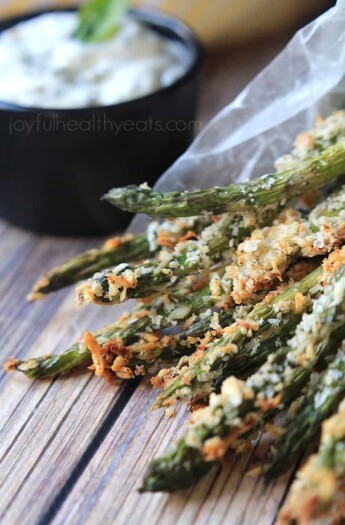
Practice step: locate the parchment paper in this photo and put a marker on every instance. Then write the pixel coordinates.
(243, 140)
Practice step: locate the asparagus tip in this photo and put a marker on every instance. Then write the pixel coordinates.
(35, 296)
(38, 290)
(11, 364)
(113, 194)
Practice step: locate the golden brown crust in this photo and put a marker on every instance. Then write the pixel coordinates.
(96, 353)
(115, 242)
(11, 364)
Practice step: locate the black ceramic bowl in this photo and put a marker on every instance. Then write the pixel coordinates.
(52, 177)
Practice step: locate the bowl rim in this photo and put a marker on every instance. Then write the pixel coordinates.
(147, 15)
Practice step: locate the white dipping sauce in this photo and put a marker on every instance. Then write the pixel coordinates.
(42, 65)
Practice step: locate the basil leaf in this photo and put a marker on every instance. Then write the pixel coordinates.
(99, 20)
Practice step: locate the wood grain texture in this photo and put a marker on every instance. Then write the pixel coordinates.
(73, 450)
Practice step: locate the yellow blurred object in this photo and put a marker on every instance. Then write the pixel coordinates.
(219, 22)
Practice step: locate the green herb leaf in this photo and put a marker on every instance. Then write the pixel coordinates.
(99, 19)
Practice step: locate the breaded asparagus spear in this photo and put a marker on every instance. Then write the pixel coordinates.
(192, 256)
(79, 353)
(117, 250)
(242, 405)
(114, 251)
(135, 359)
(321, 401)
(315, 490)
(271, 189)
(163, 312)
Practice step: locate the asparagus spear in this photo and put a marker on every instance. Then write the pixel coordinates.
(323, 399)
(51, 365)
(163, 312)
(315, 490)
(243, 404)
(77, 354)
(189, 257)
(116, 251)
(251, 196)
(138, 357)
(203, 370)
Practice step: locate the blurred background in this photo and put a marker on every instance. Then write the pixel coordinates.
(218, 23)
(240, 36)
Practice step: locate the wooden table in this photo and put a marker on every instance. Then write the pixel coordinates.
(74, 450)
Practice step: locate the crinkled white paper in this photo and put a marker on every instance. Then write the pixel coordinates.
(245, 137)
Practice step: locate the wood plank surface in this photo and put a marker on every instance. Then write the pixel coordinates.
(73, 450)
